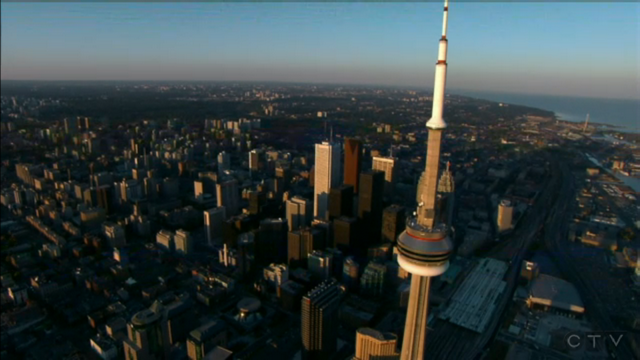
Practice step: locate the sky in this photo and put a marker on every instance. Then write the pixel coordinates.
(572, 49)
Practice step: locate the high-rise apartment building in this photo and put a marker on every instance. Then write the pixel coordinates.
(299, 212)
(372, 344)
(326, 176)
(352, 163)
(319, 318)
(213, 224)
(228, 196)
(388, 166)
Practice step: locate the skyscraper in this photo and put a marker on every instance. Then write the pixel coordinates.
(424, 247)
(183, 241)
(271, 244)
(388, 166)
(228, 194)
(319, 318)
(327, 175)
(148, 335)
(352, 162)
(372, 344)
(372, 280)
(301, 242)
(370, 205)
(505, 215)
(320, 264)
(224, 162)
(350, 273)
(345, 233)
(392, 222)
(341, 201)
(213, 220)
(254, 161)
(298, 212)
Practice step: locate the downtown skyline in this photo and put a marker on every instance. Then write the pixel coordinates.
(536, 48)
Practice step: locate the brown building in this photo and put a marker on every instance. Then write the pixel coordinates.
(352, 162)
(372, 344)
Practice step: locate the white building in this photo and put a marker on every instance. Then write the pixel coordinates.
(327, 175)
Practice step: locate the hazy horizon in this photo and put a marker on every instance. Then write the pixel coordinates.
(572, 50)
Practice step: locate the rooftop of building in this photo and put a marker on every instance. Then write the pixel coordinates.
(208, 330)
(381, 336)
(555, 292)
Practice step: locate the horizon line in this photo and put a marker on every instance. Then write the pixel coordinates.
(412, 87)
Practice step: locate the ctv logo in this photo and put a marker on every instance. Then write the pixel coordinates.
(594, 341)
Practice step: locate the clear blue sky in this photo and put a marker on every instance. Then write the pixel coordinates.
(580, 49)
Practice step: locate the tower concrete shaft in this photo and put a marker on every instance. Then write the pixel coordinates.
(415, 328)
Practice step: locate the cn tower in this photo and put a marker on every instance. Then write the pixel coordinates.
(424, 247)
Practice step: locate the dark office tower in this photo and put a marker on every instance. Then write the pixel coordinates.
(352, 163)
(90, 197)
(105, 198)
(302, 242)
(337, 257)
(283, 174)
(370, 204)
(345, 234)
(256, 202)
(393, 218)
(319, 318)
(312, 176)
(246, 253)
(340, 201)
(350, 273)
(325, 228)
(271, 246)
(227, 196)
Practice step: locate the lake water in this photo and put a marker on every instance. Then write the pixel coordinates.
(622, 113)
